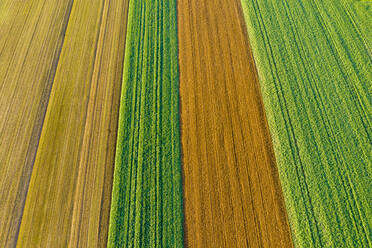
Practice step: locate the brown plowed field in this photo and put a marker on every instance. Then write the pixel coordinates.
(232, 193)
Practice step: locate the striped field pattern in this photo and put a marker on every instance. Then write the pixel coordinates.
(314, 63)
(171, 123)
(146, 208)
(68, 176)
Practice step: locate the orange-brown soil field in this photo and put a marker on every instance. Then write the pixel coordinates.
(232, 193)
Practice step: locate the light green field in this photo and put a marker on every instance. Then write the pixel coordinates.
(146, 208)
(315, 68)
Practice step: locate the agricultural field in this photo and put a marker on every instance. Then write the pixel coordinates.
(315, 68)
(185, 123)
(232, 193)
(66, 84)
(30, 45)
(146, 209)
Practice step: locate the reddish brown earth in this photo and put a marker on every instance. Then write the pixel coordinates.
(232, 193)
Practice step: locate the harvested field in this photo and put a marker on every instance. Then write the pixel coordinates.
(31, 38)
(69, 195)
(146, 208)
(315, 68)
(232, 194)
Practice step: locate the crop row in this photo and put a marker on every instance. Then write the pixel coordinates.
(146, 208)
(314, 64)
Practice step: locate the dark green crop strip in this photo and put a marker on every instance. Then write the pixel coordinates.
(146, 208)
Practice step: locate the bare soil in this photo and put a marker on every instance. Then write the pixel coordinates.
(232, 193)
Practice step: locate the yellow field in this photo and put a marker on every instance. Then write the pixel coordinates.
(31, 38)
(72, 52)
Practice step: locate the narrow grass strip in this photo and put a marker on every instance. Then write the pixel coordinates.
(314, 63)
(146, 208)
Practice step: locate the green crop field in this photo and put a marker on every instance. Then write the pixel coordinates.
(171, 123)
(146, 206)
(315, 68)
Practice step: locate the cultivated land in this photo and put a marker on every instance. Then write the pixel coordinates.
(146, 208)
(314, 63)
(69, 194)
(232, 194)
(31, 38)
(78, 118)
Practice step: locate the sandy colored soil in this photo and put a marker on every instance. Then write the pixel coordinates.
(60, 78)
(232, 194)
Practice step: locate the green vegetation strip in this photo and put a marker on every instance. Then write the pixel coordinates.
(314, 63)
(146, 208)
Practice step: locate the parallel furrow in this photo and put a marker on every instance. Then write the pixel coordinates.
(314, 70)
(146, 208)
